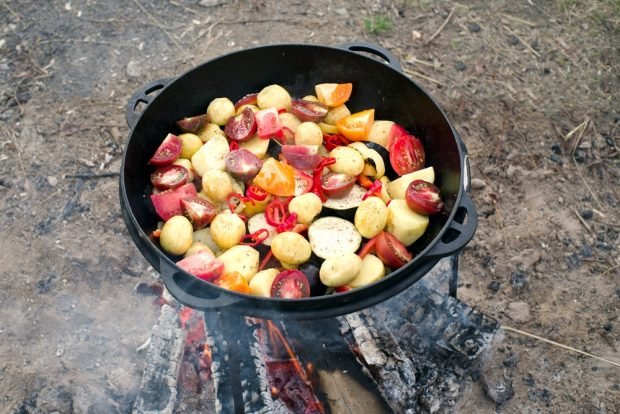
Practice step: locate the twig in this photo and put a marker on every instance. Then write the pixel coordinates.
(509, 329)
(17, 147)
(581, 129)
(530, 48)
(412, 72)
(92, 176)
(445, 22)
(584, 222)
(163, 29)
(518, 20)
(610, 269)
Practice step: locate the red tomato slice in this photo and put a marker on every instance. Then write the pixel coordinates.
(168, 151)
(203, 265)
(395, 132)
(407, 154)
(355, 127)
(170, 176)
(290, 284)
(268, 122)
(168, 203)
(199, 211)
(391, 251)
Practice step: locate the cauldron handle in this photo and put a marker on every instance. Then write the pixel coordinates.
(460, 231)
(391, 60)
(142, 95)
(216, 300)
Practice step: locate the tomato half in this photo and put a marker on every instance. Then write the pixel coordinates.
(168, 151)
(168, 203)
(407, 154)
(333, 94)
(276, 178)
(391, 251)
(199, 211)
(355, 127)
(170, 176)
(290, 284)
(423, 197)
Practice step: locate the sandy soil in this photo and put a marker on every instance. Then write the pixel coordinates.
(532, 87)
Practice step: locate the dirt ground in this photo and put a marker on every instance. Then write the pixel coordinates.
(532, 86)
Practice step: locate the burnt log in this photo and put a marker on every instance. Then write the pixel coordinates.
(220, 365)
(158, 390)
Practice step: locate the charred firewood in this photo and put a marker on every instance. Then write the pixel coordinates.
(158, 391)
(384, 359)
(220, 365)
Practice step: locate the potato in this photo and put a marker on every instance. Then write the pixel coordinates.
(190, 143)
(328, 129)
(289, 121)
(211, 155)
(176, 235)
(310, 98)
(260, 284)
(307, 206)
(204, 236)
(371, 217)
(256, 146)
(339, 270)
(371, 271)
(209, 130)
(291, 248)
(380, 132)
(398, 187)
(308, 133)
(274, 96)
(241, 259)
(336, 114)
(216, 185)
(385, 182)
(406, 225)
(348, 161)
(188, 165)
(227, 230)
(197, 247)
(220, 110)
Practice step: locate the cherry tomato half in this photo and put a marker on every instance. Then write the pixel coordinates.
(407, 154)
(199, 211)
(391, 251)
(423, 197)
(355, 127)
(241, 127)
(308, 110)
(170, 176)
(337, 185)
(168, 151)
(249, 99)
(290, 284)
(242, 164)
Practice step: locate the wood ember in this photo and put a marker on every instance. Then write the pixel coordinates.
(220, 371)
(158, 391)
(381, 355)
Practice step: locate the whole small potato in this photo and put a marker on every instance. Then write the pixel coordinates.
(309, 133)
(379, 132)
(220, 110)
(260, 284)
(227, 230)
(198, 247)
(274, 96)
(289, 121)
(291, 248)
(310, 98)
(176, 235)
(348, 161)
(216, 185)
(307, 206)
(339, 270)
(190, 143)
(371, 217)
(210, 130)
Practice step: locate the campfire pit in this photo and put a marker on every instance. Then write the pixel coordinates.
(412, 353)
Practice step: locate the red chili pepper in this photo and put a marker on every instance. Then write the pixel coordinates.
(275, 213)
(364, 181)
(332, 141)
(316, 177)
(368, 247)
(256, 193)
(374, 189)
(287, 224)
(234, 145)
(256, 238)
(234, 200)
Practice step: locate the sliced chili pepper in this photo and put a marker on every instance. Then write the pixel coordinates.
(316, 177)
(275, 213)
(287, 224)
(234, 200)
(368, 247)
(234, 145)
(264, 262)
(364, 181)
(332, 141)
(256, 193)
(374, 189)
(254, 239)
(156, 233)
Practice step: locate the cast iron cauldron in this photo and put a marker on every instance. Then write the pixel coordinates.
(376, 84)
